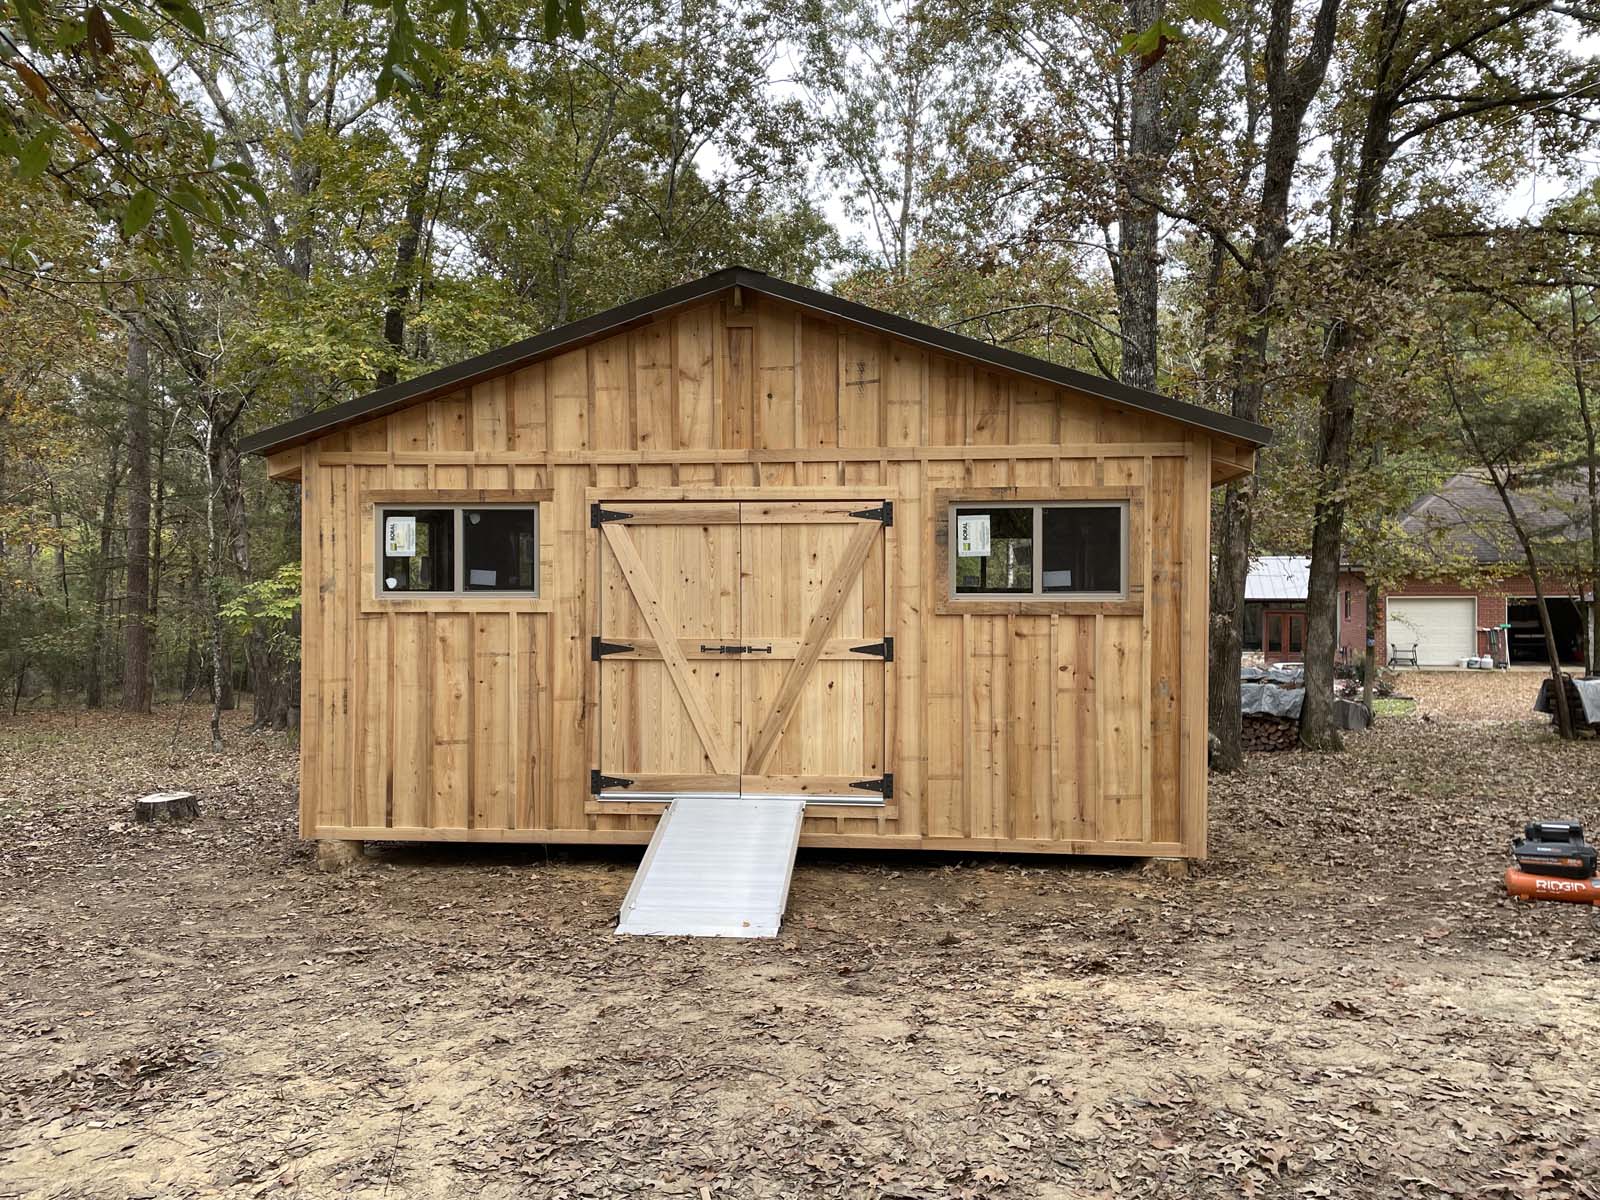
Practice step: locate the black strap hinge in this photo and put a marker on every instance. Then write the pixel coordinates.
(884, 512)
(883, 649)
(599, 514)
(599, 649)
(884, 785)
(600, 783)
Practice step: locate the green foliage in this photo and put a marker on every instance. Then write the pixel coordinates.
(300, 200)
(87, 104)
(267, 607)
(1150, 44)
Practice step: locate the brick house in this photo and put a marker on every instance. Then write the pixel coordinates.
(1275, 607)
(1476, 582)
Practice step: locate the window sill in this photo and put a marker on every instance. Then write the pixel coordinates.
(455, 604)
(1131, 605)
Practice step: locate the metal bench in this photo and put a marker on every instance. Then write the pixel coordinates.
(1402, 658)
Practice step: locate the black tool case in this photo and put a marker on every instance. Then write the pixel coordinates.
(1554, 848)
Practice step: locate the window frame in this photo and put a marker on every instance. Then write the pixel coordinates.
(458, 565)
(1037, 508)
(1135, 561)
(373, 503)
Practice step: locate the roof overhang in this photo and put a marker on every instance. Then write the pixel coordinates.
(615, 320)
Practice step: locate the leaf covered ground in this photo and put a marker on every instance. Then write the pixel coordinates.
(1339, 1003)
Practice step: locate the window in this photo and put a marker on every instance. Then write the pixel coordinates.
(1347, 604)
(1061, 550)
(1251, 639)
(442, 549)
(1286, 630)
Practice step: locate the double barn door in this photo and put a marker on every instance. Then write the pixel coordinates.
(742, 648)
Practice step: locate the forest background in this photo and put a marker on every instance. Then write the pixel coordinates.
(1371, 224)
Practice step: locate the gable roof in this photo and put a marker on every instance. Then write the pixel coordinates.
(1465, 517)
(507, 358)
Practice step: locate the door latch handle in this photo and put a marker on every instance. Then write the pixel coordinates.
(756, 649)
(705, 649)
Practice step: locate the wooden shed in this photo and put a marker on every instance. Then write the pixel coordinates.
(745, 537)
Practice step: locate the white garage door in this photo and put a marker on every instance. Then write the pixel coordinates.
(1442, 627)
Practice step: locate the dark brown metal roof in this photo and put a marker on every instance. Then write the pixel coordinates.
(519, 354)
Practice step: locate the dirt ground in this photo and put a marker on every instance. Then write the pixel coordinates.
(1479, 697)
(1340, 1003)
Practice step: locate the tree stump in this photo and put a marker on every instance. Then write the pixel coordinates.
(1351, 714)
(337, 855)
(173, 808)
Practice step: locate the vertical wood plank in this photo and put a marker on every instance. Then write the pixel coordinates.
(311, 631)
(776, 418)
(818, 394)
(489, 424)
(611, 416)
(412, 747)
(569, 401)
(739, 389)
(336, 671)
(1195, 602)
(569, 662)
(528, 409)
(694, 387)
(989, 415)
(452, 668)
(1164, 609)
(493, 773)
(1029, 717)
(1077, 723)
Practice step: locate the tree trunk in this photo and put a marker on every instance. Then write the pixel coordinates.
(220, 683)
(1369, 656)
(1227, 624)
(908, 178)
(136, 641)
(1318, 728)
(94, 681)
(158, 518)
(405, 258)
(1591, 446)
(1138, 231)
(1564, 722)
(1290, 89)
(194, 603)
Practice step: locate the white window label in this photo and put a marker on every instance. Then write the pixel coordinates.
(972, 537)
(400, 537)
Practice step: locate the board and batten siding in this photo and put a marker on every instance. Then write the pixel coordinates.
(1077, 727)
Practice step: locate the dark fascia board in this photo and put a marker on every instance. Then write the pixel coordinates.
(518, 354)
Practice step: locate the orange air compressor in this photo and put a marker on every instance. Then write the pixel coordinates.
(1553, 862)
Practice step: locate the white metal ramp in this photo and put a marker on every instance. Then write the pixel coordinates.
(718, 866)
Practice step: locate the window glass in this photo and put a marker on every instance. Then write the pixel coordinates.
(1275, 632)
(1082, 549)
(499, 551)
(424, 551)
(1251, 639)
(1000, 545)
(1297, 633)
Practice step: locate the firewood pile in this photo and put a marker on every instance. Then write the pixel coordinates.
(1265, 733)
(1270, 701)
(1581, 714)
